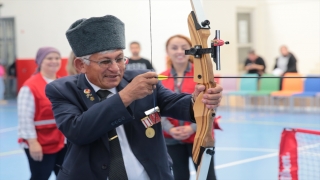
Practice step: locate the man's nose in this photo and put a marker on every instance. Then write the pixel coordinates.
(113, 66)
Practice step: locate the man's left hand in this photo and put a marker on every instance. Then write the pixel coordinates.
(211, 97)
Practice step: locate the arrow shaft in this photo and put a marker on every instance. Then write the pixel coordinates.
(239, 77)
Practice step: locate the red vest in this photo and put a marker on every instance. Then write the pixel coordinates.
(48, 135)
(187, 86)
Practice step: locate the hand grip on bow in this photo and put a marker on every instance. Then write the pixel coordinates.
(211, 97)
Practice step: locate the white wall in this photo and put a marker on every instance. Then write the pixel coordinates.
(223, 16)
(297, 25)
(291, 22)
(294, 23)
(43, 23)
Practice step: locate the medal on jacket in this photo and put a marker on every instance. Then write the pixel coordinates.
(152, 118)
(87, 92)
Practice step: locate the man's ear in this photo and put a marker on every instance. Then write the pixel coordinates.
(79, 65)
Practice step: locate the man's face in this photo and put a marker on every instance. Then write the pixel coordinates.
(252, 57)
(284, 51)
(135, 49)
(108, 77)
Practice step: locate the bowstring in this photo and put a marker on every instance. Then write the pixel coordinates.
(252, 77)
(150, 30)
(154, 98)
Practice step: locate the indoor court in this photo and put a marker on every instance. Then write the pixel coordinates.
(247, 148)
(270, 74)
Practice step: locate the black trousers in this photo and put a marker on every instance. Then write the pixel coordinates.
(180, 154)
(41, 170)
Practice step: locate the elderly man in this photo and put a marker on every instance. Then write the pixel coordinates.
(102, 111)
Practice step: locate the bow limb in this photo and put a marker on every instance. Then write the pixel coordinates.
(203, 74)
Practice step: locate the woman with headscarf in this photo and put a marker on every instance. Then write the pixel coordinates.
(38, 134)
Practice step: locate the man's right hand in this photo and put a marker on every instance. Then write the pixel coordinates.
(141, 86)
(35, 149)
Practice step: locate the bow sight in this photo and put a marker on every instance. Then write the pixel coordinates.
(214, 50)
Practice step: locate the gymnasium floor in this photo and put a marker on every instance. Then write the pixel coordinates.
(246, 149)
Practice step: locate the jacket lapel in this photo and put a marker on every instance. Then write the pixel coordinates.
(86, 92)
(89, 97)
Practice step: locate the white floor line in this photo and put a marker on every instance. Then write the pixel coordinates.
(8, 153)
(8, 129)
(216, 167)
(245, 149)
(246, 161)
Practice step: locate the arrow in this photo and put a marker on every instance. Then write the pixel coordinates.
(163, 77)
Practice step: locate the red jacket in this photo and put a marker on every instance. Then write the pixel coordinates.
(48, 135)
(187, 86)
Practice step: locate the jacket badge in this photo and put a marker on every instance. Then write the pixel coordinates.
(87, 92)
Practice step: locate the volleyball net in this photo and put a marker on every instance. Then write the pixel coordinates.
(299, 155)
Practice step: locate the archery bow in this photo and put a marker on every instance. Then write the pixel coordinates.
(203, 145)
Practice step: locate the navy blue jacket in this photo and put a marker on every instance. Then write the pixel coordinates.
(85, 124)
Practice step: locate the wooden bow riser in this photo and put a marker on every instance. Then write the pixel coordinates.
(204, 120)
(203, 74)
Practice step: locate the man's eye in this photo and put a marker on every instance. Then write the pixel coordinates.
(105, 62)
(119, 59)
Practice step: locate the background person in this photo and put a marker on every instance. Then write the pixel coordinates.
(286, 62)
(254, 64)
(71, 69)
(12, 75)
(2, 84)
(179, 135)
(38, 134)
(136, 61)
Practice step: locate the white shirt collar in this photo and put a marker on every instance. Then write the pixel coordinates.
(96, 88)
(47, 79)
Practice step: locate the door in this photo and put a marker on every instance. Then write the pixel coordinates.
(244, 38)
(8, 54)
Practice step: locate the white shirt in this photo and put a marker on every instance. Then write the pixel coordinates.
(283, 63)
(134, 169)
